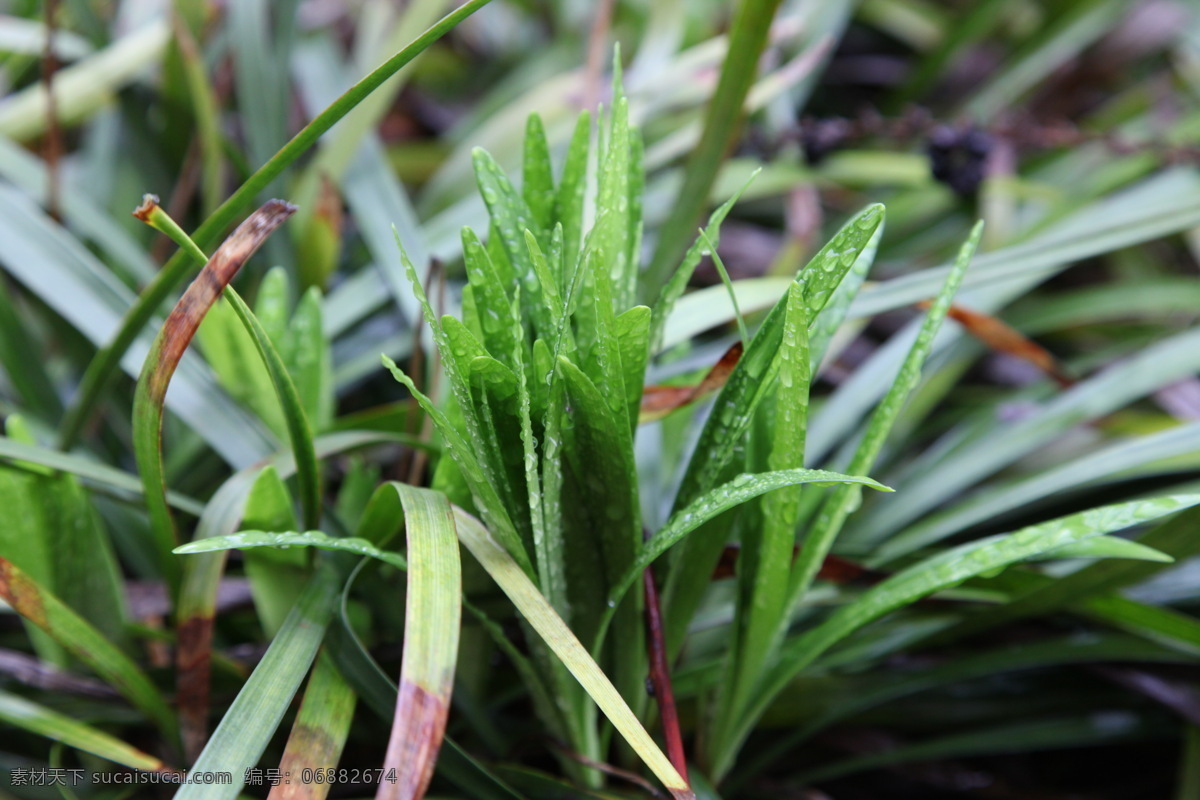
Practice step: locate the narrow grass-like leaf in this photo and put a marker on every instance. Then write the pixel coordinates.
(493, 306)
(876, 689)
(319, 733)
(276, 576)
(252, 718)
(86, 643)
(673, 289)
(511, 217)
(834, 314)
(41, 721)
(94, 474)
(1109, 547)
(306, 351)
(104, 366)
(534, 608)
(482, 488)
(164, 357)
(569, 199)
(632, 329)
(723, 120)
(764, 564)
(948, 569)
(733, 410)
(1038, 595)
(724, 274)
(612, 232)
(247, 539)
(714, 503)
(432, 614)
(537, 179)
(838, 505)
(308, 471)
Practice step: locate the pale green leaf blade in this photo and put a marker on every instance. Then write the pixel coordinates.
(432, 614)
(538, 612)
(41, 721)
(251, 720)
(243, 540)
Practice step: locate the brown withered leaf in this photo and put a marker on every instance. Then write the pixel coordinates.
(1003, 338)
(659, 401)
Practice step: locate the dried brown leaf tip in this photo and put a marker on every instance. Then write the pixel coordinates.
(658, 401)
(149, 204)
(1003, 338)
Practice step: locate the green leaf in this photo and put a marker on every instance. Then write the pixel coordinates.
(494, 309)
(569, 201)
(633, 342)
(733, 409)
(612, 232)
(230, 350)
(599, 473)
(1108, 547)
(948, 569)
(254, 715)
(41, 721)
(674, 288)
(765, 559)
(248, 539)
(308, 470)
(432, 614)
(842, 501)
(56, 537)
(276, 577)
(83, 641)
(306, 352)
(716, 502)
(537, 184)
(511, 217)
(104, 366)
(515, 583)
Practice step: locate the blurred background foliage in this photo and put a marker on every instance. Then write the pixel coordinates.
(1072, 127)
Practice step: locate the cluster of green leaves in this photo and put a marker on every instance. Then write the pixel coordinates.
(539, 429)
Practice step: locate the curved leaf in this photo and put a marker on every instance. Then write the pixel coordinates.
(248, 539)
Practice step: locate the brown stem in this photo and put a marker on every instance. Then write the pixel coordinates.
(660, 676)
